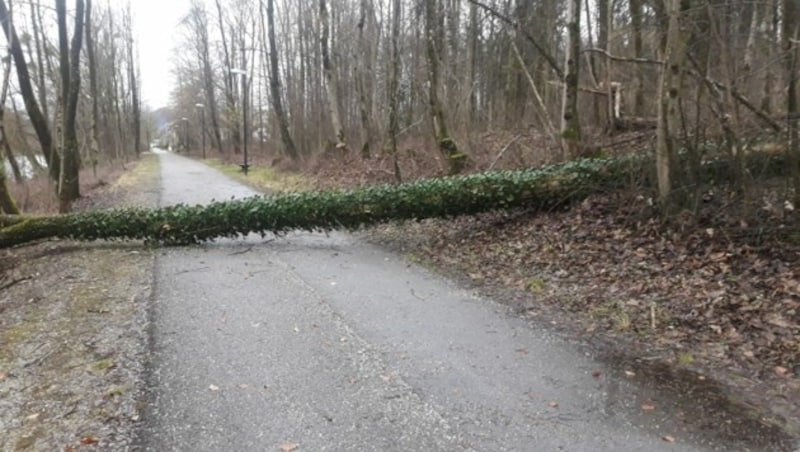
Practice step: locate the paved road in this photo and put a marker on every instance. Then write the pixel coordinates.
(332, 344)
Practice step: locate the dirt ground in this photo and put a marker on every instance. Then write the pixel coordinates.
(73, 333)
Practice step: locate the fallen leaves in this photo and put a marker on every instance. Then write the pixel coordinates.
(782, 372)
(86, 440)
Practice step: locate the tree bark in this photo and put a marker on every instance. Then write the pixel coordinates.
(94, 145)
(275, 85)
(635, 7)
(456, 161)
(570, 123)
(669, 96)
(363, 71)
(331, 86)
(789, 36)
(70, 66)
(133, 86)
(394, 82)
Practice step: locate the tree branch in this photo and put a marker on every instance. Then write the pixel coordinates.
(736, 95)
(624, 59)
(545, 54)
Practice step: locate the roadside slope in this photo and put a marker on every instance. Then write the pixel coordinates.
(72, 333)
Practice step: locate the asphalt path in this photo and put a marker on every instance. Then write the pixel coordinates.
(324, 342)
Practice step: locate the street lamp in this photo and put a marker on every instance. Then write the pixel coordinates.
(243, 74)
(202, 107)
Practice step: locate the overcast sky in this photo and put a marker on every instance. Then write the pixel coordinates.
(155, 23)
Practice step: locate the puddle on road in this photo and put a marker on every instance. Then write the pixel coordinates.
(686, 407)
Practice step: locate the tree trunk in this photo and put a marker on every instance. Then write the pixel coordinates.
(275, 85)
(789, 36)
(635, 7)
(603, 31)
(329, 72)
(570, 123)
(133, 86)
(229, 85)
(536, 190)
(42, 57)
(770, 15)
(363, 71)
(669, 96)
(7, 204)
(394, 81)
(456, 161)
(94, 145)
(70, 86)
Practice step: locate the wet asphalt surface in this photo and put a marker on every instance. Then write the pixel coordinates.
(328, 343)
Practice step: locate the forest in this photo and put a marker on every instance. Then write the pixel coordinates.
(421, 89)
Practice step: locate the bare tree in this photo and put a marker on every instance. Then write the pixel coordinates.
(133, 86)
(364, 62)
(570, 123)
(433, 39)
(198, 21)
(329, 72)
(635, 8)
(275, 85)
(37, 118)
(670, 90)
(94, 93)
(229, 90)
(69, 189)
(789, 37)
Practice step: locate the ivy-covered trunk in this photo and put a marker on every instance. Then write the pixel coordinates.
(540, 189)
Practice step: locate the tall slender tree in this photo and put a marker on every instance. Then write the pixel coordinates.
(275, 84)
(456, 160)
(570, 121)
(331, 82)
(70, 69)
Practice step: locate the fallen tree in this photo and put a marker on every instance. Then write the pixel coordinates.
(539, 189)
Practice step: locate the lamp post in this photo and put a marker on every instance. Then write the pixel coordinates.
(243, 74)
(202, 109)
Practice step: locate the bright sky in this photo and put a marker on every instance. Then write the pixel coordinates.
(155, 22)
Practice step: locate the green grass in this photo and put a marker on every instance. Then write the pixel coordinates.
(263, 178)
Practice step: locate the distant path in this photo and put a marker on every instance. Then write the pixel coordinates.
(333, 344)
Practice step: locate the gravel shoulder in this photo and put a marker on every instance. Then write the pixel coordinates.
(73, 334)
